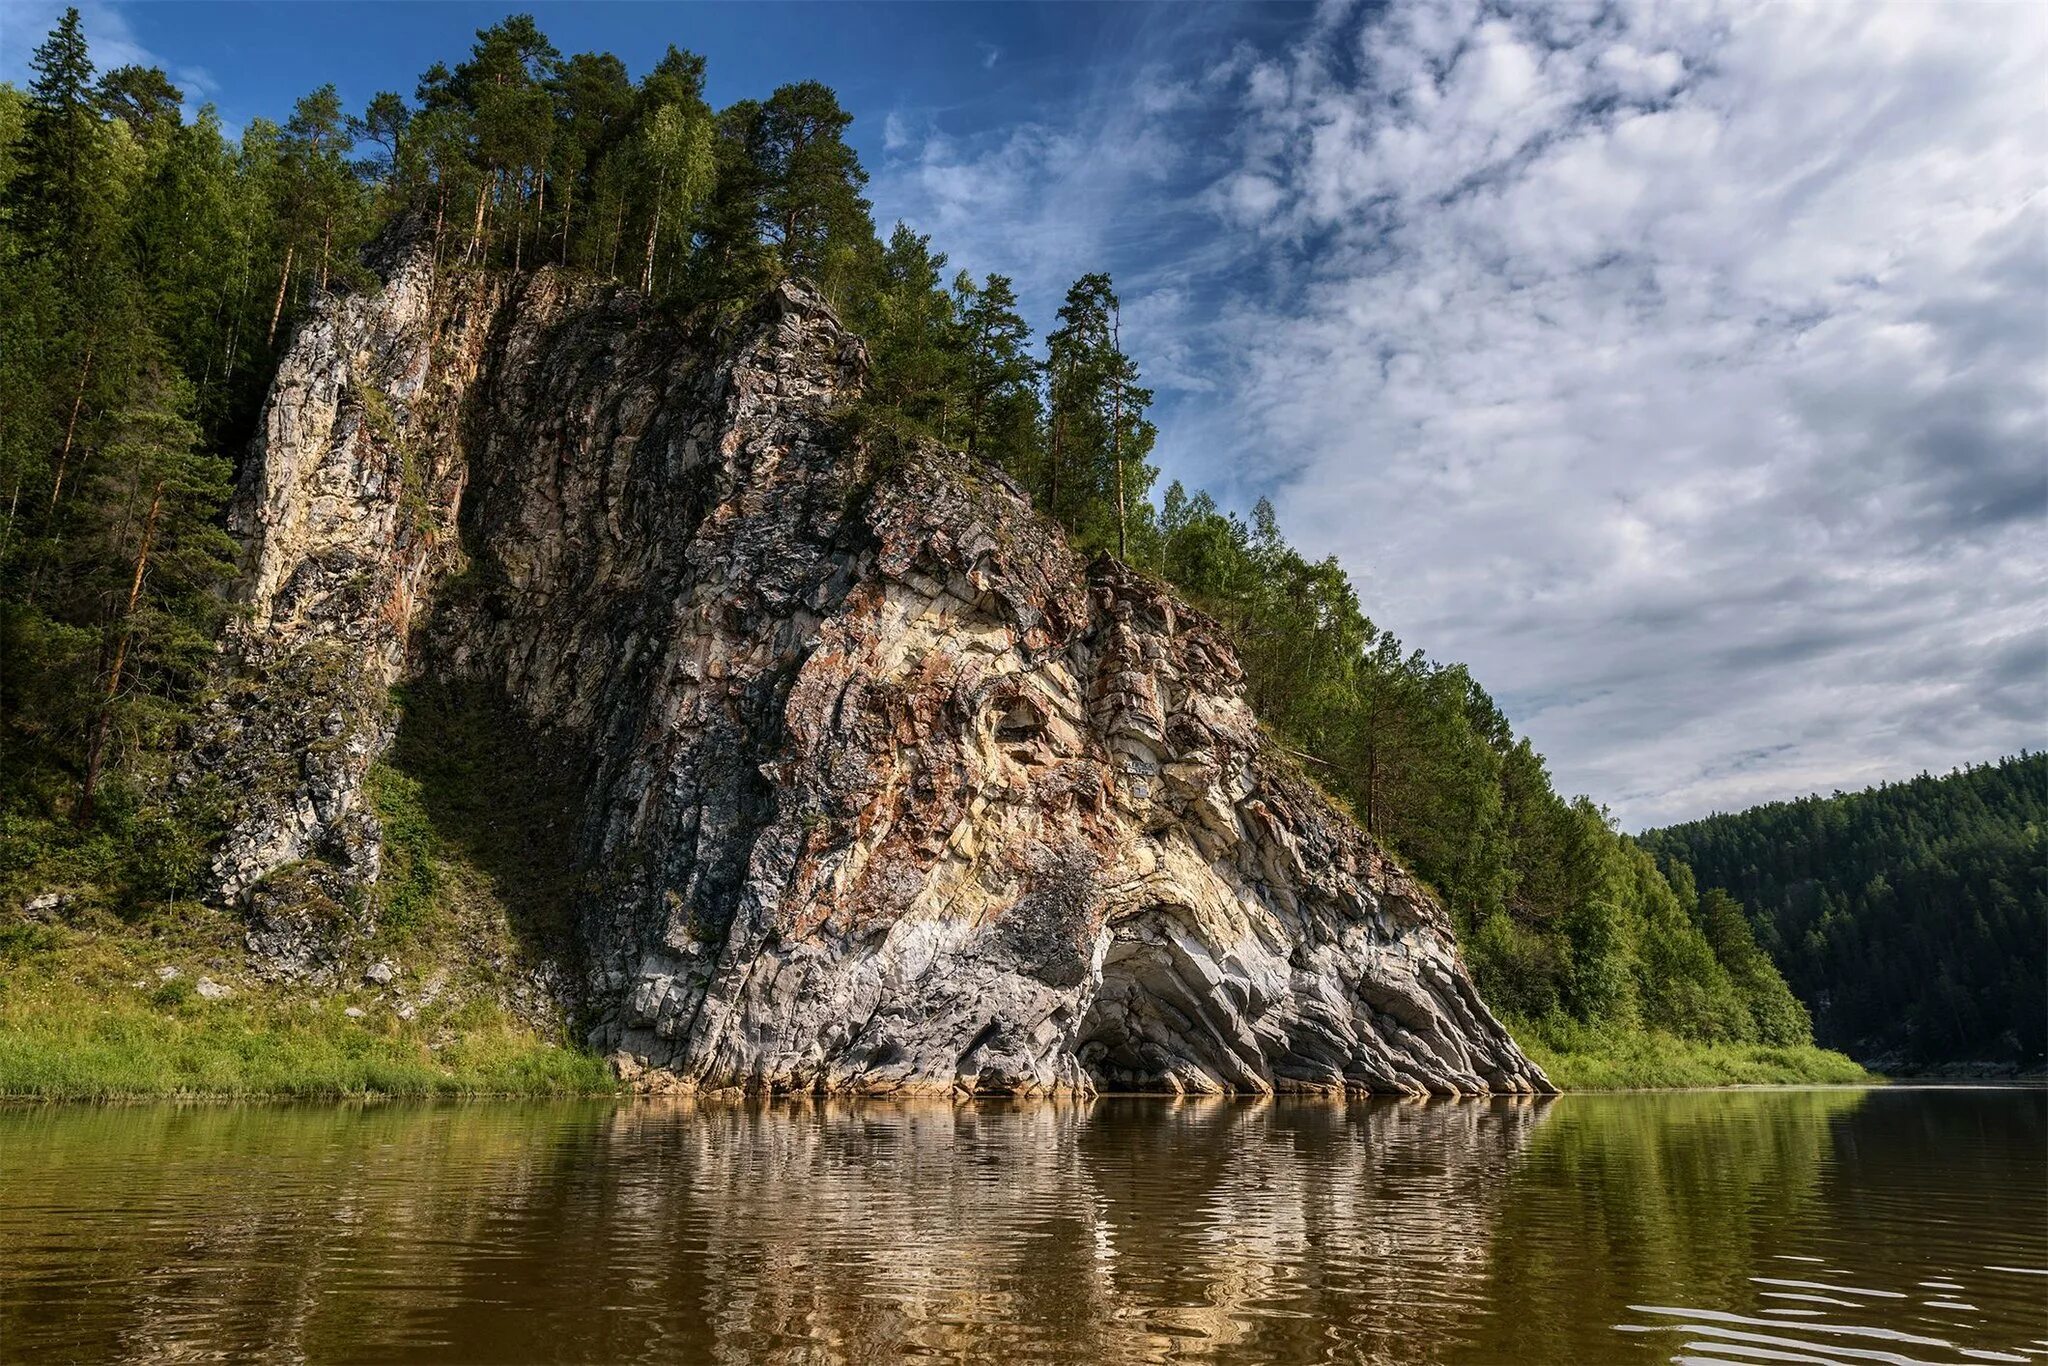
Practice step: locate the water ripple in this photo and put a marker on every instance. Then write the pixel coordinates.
(1786, 1226)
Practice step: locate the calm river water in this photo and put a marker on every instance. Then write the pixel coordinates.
(1762, 1226)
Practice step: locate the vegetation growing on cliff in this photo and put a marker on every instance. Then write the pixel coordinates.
(103, 1008)
(1910, 916)
(151, 270)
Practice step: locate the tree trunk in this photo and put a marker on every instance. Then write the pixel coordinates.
(277, 309)
(70, 427)
(96, 749)
(1052, 468)
(568, 197)
(1372, 790)
(1116, 424)
(227, 360)
(7, 535)
(476, 227)
(653, 231)
(326, 241)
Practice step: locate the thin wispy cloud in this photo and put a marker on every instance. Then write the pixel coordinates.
(25, 23)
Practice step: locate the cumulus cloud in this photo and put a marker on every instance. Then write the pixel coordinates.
(1681, 368)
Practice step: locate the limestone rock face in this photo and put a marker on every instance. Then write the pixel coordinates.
(878, 788)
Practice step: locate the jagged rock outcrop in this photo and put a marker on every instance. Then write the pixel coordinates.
(877, 787)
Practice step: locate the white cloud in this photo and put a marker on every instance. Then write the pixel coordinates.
(1680, 368)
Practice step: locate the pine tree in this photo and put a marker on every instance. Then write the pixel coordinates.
(143, 98)
(1002, 417)
(1100, 437)
(159, 559)
(914, 337)
(811, 206)
(505, 86)
(58, 192)
(382, 125)
(593, 98)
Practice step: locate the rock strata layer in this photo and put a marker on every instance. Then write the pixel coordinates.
(877, 787)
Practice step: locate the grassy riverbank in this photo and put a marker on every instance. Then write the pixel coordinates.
(86, 1015)
(107, 1009)
(1577, 1058)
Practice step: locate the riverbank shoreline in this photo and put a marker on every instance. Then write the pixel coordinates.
(307, 1056)
(100, 1014)
(114, 1013)
(1579, 1059)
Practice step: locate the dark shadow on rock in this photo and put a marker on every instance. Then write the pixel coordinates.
(500, 796)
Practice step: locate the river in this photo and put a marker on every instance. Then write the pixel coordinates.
(1855, 1226)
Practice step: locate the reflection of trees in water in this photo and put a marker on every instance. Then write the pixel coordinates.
(1669, 1199)
(1120, 1230)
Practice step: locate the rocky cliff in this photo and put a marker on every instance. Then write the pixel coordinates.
(874, 786)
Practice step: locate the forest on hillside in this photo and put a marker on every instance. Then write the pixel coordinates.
(152, 270)
(1912, 918)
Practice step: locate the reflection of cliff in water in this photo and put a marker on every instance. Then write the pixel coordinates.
(1117, 1230)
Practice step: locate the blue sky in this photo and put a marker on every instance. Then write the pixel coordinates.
(1682, 368)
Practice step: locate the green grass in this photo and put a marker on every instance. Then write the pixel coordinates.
(479, 881)
(1578, 1058)
(83, 1016)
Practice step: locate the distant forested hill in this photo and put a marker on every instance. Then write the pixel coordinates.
(1912, 918)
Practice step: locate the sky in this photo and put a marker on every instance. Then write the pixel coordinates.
(1682, 367)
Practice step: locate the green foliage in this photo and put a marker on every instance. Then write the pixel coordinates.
(1002, 418)
(83, 1016)
(1095, 478)
(133, 248)
(411, 882)
(914, 336)
(1579, 1057)
(1909, 918)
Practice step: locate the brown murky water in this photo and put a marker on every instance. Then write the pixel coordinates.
(1780, 1226)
